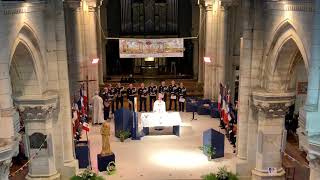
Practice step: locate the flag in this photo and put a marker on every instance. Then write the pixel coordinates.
(219, 102)
(83, 101)
(85, 126)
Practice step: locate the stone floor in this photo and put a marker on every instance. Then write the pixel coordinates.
(164, 156)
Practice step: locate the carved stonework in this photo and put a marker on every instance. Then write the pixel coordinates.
(10, 8)
(271, 104)
(5, 169)
(272, 109)
(38, 112)
(306, 6)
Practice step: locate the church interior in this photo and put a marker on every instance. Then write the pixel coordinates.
(160, 89)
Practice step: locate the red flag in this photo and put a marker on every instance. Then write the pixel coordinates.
(85, 126)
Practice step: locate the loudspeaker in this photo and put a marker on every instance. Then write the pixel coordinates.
(82, 153)
(122, 121)
(214, 139)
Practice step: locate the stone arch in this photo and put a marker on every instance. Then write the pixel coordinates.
(276, 66)
(27, 42)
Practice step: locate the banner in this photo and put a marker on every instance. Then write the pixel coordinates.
(144, 48)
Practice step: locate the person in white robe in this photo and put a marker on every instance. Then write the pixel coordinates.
(98, 116)
(159, 105)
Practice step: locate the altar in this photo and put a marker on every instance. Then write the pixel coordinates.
(162, 119)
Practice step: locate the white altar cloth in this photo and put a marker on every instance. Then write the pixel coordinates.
(160, 119)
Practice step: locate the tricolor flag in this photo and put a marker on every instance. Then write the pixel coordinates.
(85, 126)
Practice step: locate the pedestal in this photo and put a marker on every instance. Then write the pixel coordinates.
(215, 140)
(49, 177)
(104, 160)
(82, 154)
(261, 175)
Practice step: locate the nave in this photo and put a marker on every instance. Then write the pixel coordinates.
(166, 156)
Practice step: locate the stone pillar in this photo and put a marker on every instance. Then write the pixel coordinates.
(84, 35)
(70, 163)
(8, 140)
(75, 44)
(6, 104)
(244, 90)
(220, 64)
(39, 116)
(312, 103)
(271, 108)
(91, 44)
(195, 58)
(208, 50)
(100, 40)
(201, 43)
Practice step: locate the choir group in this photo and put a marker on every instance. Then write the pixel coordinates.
(113, 97)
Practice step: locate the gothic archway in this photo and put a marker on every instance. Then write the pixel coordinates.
(24, 77)
(284, 90)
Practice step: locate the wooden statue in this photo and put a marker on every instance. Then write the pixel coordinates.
(105, 133)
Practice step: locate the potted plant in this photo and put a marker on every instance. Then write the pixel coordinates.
(87, 175)
(222, 174)
(123, 135)
(209, 151)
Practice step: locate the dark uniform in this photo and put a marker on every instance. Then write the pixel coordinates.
(130, 95)
(153, 95)
(106, 106)
(118, 91)
(173, 96)
(111, 93)
(182, 92)
(143, 94)
(163, 90)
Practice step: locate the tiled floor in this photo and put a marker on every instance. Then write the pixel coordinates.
(164, 156)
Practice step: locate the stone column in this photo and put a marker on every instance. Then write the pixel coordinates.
(100, 40)
(195, 58)
(201, 43)
(244, 90)
(39, 116)
(271, 108)
(70, 163)
(222, 49)
(208, 50)
(75, 44)
(8, 138)
(312, 103)
(84, 35)
(91, 44)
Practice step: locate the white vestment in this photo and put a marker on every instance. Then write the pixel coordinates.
(98, 116)
(159, 106)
